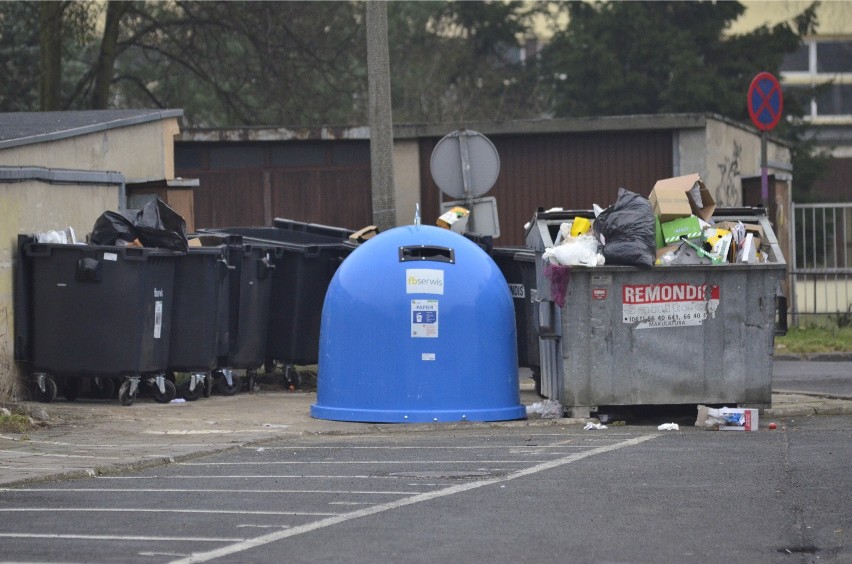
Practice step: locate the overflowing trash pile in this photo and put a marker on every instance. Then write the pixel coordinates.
(155, 225)
(673, 226)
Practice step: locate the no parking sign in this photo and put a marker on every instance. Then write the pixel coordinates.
(765, 101)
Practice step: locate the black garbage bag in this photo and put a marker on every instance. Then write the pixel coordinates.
(158, 225)
(627, 227)
(111, 227)
(155, 225)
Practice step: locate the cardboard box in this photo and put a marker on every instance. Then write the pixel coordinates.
(728, 418)
(682, 196)
(753, 229)
(669, 201)
(748, 419)
(675, 230)
(455, 219)
(363, 234)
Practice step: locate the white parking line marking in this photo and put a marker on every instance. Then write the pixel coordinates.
(149, 510)
(241, 476)
(123, 538)
(198, 490)
(323, 523)
(21, 455)
(402, 447)
(289, 462)
(189, 432)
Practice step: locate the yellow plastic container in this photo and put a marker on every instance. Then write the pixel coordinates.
(579, 226)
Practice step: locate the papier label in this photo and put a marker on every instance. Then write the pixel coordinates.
(424, 318)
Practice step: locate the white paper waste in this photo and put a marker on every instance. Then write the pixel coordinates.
(64, 237)
(575, 251)
(596, 426)
(669, 427)
(549, 409)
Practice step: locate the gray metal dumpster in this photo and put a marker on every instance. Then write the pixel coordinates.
(684, 334)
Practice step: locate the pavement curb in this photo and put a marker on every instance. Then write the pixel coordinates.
(815, 357)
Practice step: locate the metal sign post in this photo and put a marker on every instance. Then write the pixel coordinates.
(765, 104)
(464, 153)
(465, 165)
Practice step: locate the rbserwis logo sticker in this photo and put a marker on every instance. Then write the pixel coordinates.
(424, 281)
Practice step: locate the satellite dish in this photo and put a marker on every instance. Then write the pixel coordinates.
(465, 164)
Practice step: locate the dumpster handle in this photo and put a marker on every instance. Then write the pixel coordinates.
(135, 253)
(427, 252)
(224, 267)
(312, 251)
(38, 250)
(263, 268)
(781, 307)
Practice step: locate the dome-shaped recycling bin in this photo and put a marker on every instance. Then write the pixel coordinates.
(418, 326)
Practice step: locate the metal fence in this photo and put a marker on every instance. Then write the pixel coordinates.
(821, 239)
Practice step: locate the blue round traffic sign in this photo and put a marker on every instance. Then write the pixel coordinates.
(765, 101)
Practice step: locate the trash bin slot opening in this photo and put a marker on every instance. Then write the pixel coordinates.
(427, 252)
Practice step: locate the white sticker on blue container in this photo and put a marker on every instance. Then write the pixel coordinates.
(424, 281)
(424, 318)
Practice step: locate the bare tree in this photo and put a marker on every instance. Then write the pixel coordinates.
(105, 64)
(50, 54)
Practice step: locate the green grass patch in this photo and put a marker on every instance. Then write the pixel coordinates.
(815, 340)
(14, 423)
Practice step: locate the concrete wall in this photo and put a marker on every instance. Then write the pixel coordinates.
(731, 153)
(689, 147)
(142, 152)
(35, 206)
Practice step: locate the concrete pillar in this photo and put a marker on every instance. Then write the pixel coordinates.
(381, 122)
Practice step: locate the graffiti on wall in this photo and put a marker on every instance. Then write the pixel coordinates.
(727, 193)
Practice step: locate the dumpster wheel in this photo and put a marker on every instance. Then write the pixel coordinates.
(207, 388)
(189, 392)
(127, 392)
(45, 388)
(292, 377)
(224, 388)
(71, 388)
(102, 387)
(168, 393)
